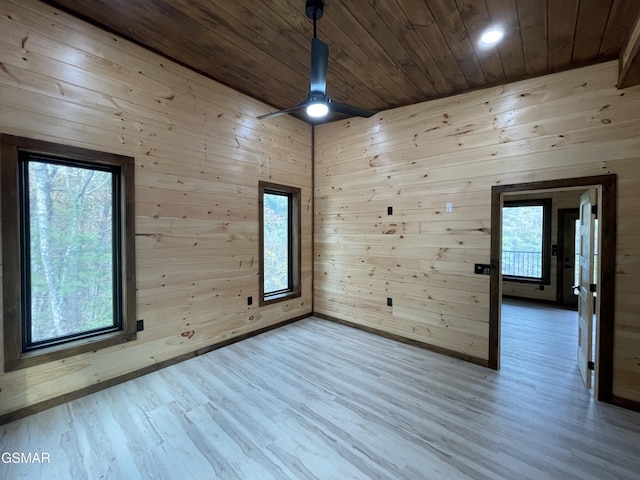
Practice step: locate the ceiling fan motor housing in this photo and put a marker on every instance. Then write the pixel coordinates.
(315, 97)
(314, 8)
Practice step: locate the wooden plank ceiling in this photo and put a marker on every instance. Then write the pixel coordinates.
(383, 53)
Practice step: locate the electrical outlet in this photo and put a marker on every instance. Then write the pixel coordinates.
(449, 207)
(389, 302)
(482, 269)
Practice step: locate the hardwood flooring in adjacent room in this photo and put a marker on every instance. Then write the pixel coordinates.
(318, 400)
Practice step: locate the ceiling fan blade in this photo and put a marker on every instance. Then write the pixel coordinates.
(319, 66)
(281, 112)
(351, 110)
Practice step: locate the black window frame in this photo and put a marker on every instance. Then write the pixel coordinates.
(15, 153)
(294, 247)
(547, 212)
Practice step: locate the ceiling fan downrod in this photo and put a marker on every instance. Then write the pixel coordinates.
(314, 10)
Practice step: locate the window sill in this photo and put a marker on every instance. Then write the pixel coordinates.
(66, 350)
(535, 281)
(280, 297)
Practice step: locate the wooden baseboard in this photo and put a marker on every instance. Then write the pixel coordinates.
(408, 341)
(83, 392)
(625, 403)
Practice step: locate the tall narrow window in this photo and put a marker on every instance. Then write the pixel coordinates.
(526, 238)
(69, 233)
(279, 242)
(63, 213)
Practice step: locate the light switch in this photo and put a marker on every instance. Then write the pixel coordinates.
(449, 207)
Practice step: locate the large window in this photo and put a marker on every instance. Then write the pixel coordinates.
(67, 235)
(279, 242)
(526, 238)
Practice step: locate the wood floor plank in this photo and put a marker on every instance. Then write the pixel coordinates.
(319, 400)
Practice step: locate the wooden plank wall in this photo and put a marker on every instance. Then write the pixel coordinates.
(418, 158)
(559, 200)
(199, 156)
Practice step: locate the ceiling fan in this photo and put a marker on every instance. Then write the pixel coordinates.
(317, 104)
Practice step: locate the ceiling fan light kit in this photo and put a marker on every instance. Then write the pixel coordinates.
(317, 105)
(317, 109)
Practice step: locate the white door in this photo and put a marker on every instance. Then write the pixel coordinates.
(585, 301)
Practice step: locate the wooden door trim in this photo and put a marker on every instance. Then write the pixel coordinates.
(608, 209)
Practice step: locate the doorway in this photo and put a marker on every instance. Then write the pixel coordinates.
(568, 219)
(606, 186)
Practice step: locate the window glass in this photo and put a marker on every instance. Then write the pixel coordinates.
(526, 238)
(276, 243)
(69, 272)
(522, 241)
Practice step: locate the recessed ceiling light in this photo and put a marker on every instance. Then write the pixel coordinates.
(491, 36)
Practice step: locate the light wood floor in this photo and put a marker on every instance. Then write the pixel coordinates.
(317, 400)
